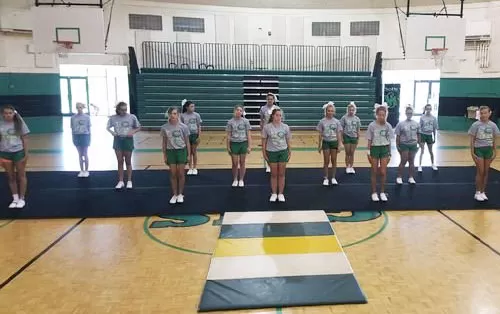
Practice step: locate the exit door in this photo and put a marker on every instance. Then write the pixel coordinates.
(73, 90)
(426, 92)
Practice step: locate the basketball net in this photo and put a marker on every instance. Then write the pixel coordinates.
(63, 48)
(438, 55)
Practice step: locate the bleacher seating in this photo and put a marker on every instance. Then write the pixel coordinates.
(215, 92)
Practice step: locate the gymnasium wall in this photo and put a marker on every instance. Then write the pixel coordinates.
(243, 25)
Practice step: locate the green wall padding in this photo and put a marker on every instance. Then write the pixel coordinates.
(40, 125)
(470, 87)
(29, 84)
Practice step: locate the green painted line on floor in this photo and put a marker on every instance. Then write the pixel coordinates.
(40, 151)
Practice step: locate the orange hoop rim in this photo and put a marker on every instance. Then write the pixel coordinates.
(65, 44)
(436, 51)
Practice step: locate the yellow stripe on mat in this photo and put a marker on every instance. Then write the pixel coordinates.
(278, 245)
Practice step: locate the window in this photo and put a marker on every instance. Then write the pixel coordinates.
(326, 28)
(189, 24)
(147, 22)
(365, 28)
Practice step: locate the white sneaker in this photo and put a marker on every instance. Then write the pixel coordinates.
(129, 184)
(483, 195)
(334, 181)
(478, 197)
(434, 167)
(81, 174)
(383, 197)
(180, 198)
(190, 172)
(419, 168)
(241, 183)
(348, 170)
(273, 198)
(268, 169)
(353, 171)
(399, 181)
(173, 200)
(86, 174)
(375, 197)
(281, 198)
(13, 204)
(194, 172)
(326, 182)
(235, 183)
(412, 181)
(120, 185)
(20, 204)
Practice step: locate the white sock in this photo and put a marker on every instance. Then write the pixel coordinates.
(15, 197)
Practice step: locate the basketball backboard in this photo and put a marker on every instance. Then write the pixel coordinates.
(81, 26)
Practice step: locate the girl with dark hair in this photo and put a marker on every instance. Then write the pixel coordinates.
(379, 135)
(80, 127)
(265, 114)
(428, 129)
(483, 134)
(14, 153)
(239, 143)
(407, 139)
(176, 152)
(123, 126)
(193, 120)
(276, 150)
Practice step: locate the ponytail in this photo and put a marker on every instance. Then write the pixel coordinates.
(185, 105)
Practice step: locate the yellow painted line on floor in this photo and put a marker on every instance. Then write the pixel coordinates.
(278, 245)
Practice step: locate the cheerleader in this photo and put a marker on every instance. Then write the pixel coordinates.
(193, 120)
(80, 127)
(276, 150)
(428, 129)
(407, 139)
(239, 143)
(379, 135)
(350, 125)
(14, 153)
(176, 147)
(330, 141)
(265, 114)
(483, 135)
(123, 126)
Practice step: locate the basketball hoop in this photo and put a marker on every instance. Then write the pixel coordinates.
(438, 55)
(63, 47)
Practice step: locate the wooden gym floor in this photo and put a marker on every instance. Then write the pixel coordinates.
(406, 262)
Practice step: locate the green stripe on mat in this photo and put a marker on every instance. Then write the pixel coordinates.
(40, 151)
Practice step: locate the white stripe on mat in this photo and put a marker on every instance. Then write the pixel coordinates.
(267, 266)
(234, 218)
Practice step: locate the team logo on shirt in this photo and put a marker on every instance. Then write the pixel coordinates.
(240, 131)
(332, 130)
(278, 138)
(193, 126)
(177, 137)
(485, 133)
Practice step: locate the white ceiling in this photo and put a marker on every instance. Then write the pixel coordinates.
(317, 4)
